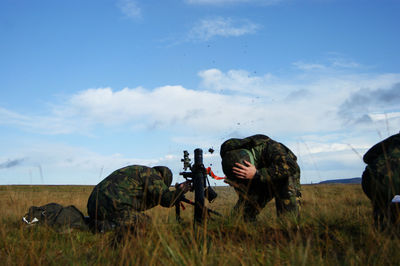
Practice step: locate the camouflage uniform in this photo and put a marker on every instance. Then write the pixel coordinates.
(126, 192)
(278, 176)
(381, 177)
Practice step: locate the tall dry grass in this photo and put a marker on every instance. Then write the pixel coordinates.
(335, 228)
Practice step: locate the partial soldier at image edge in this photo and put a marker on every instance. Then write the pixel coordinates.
(381, 180)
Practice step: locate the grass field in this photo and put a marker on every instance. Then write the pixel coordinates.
(335, 228)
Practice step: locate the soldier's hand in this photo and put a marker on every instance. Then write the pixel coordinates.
(185, 186)
(246, 171)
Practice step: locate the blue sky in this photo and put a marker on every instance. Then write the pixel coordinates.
(87, 87)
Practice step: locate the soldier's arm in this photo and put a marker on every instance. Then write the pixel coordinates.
(157, 189)
(278, 163)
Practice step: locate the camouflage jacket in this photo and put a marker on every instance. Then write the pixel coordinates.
(385, 148)
(133, 187)
(381, 177)
(273, 160)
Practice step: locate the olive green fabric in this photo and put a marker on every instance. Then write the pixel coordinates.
(126, 192)
(381, 177)
(166, 174)
(278, 176)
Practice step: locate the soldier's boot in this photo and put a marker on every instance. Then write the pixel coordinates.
(244, 210)
(379, 218)
(288, 206)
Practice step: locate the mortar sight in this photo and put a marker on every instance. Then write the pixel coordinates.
(186, 160)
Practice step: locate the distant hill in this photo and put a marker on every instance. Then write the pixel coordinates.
(356, 180)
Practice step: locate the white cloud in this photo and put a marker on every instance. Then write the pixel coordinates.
(367, 104)
(239, 81)
(163, 107)
(129, 8)
(331, 156)
(230, 101)
(308, 66)
(224, 27)
(385, 116)
(334, 63)
(307, 111)
(315, 147)
(42, 161)
(344, 63)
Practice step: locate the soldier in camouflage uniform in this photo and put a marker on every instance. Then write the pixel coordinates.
(120, 198)
(261, 169)
(381, 179)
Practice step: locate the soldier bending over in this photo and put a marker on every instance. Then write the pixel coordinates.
(260, 169)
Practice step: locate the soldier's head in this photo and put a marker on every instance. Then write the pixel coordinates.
(230, 158)
(165, 173)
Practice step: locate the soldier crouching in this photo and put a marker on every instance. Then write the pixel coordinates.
(118, 201)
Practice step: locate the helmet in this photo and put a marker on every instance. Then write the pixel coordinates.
(166, 174)
(235, 156)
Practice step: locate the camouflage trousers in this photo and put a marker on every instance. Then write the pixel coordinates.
(106, 216)
(254, 197)
(381, 182)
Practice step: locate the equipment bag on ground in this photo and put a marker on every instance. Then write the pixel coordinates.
(56, 216)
